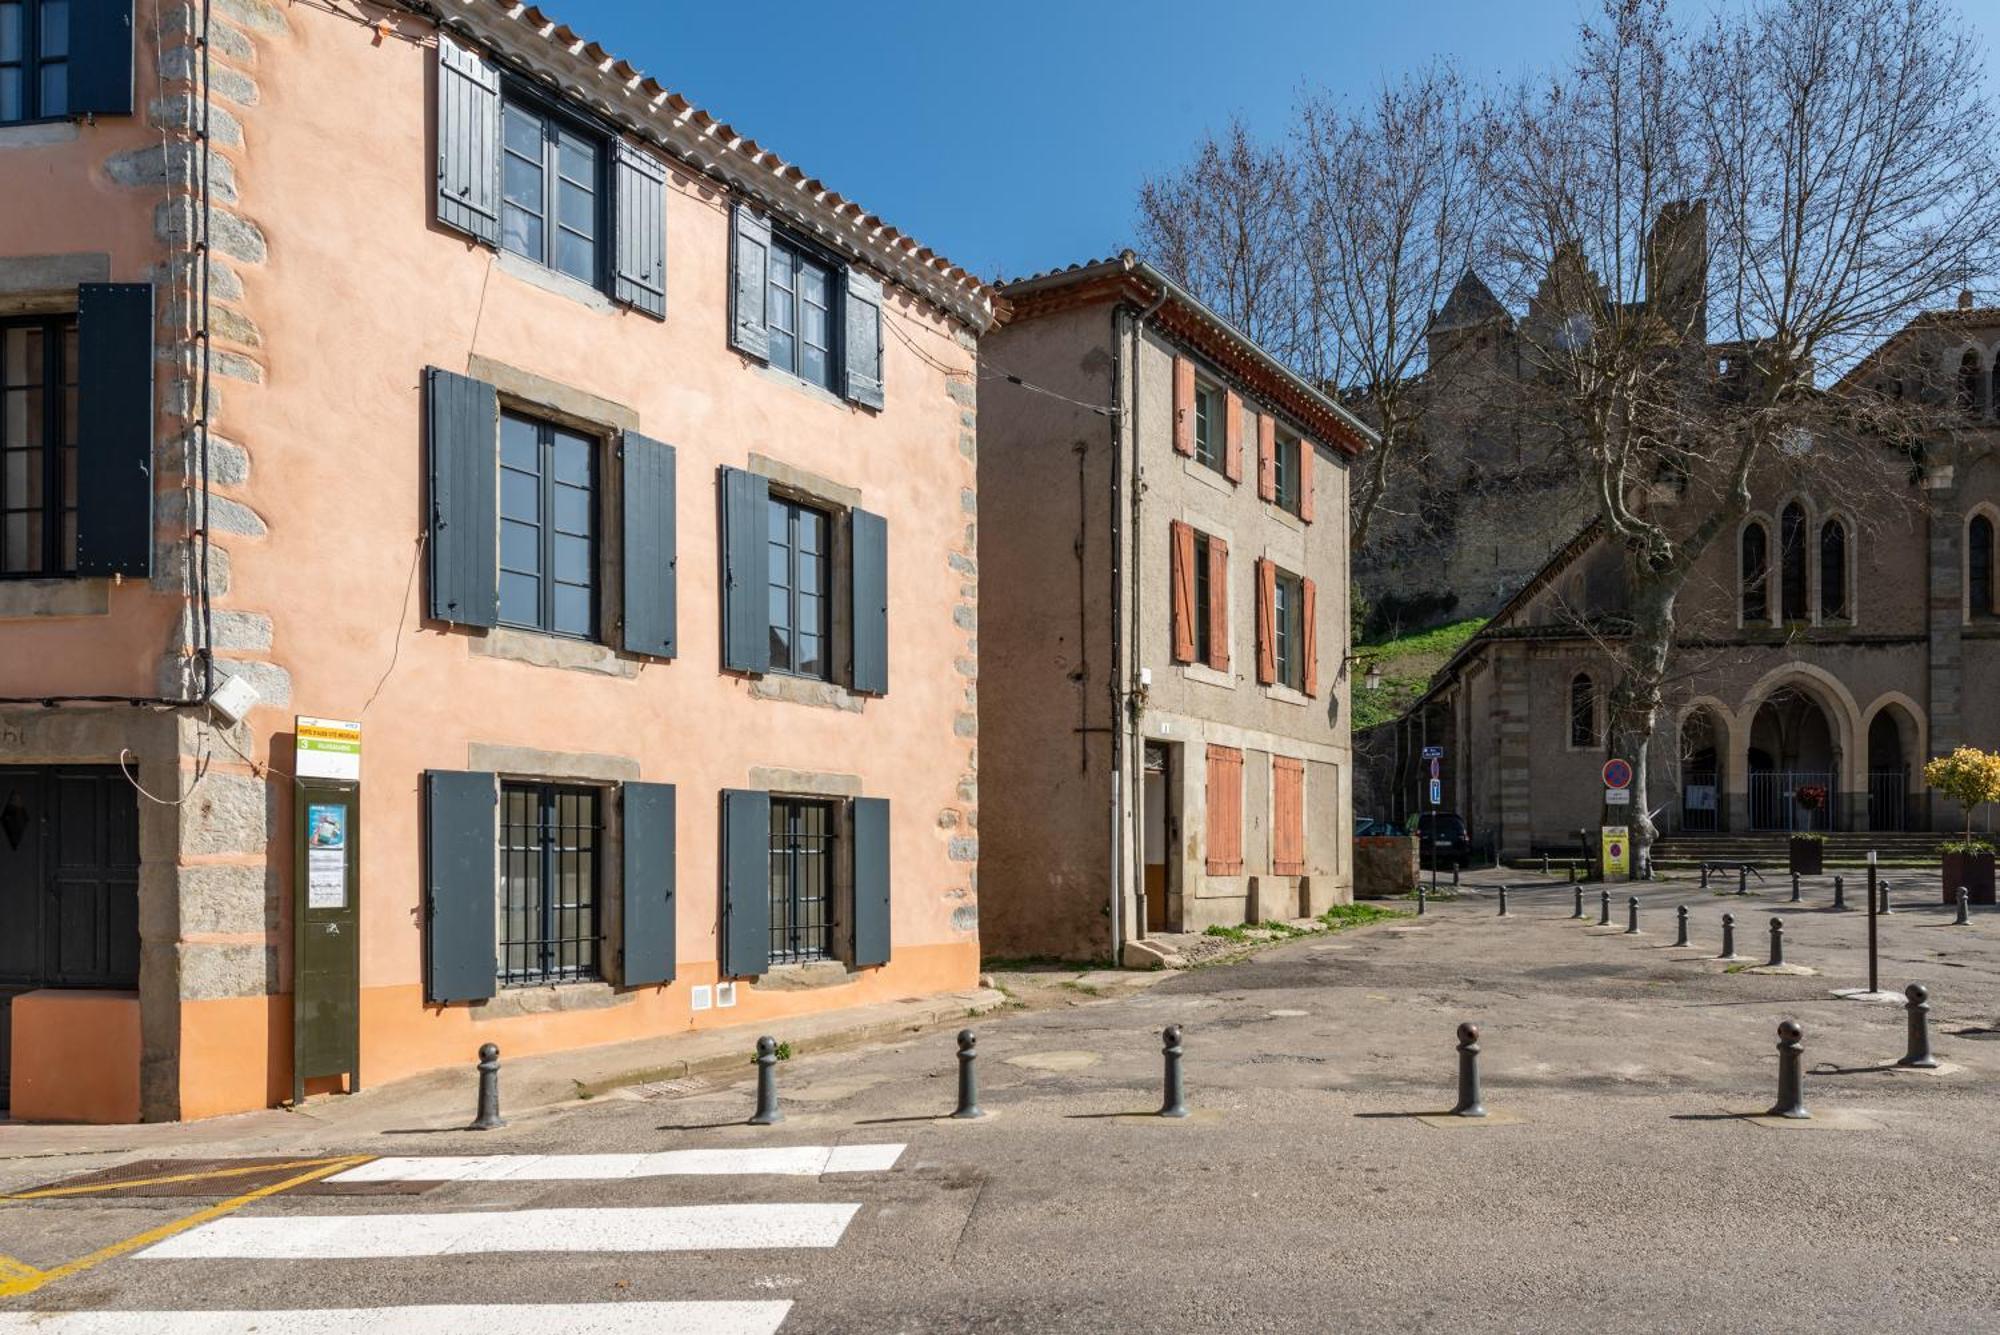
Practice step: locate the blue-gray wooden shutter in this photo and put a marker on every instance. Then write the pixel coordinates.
(639, 268)
(649, 904)
(746, 606)
(871, 881)
(468, 142)
(462, 425)
(651, 574)
(114, 429)
(869, 544)
(460, 884)
(100, 58)
(863, 346)
(749, 270)
(746, 882)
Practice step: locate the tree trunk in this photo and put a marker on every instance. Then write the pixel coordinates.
(1636, 699)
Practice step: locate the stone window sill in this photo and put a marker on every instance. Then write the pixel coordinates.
(1209, 676)
(31, 598)
(34, 134)
(536, 275)
(806, 691)
(527, 646)
(806, 977)
(804, 386)
(1213, 477)
(549, 998)
(1285, 695)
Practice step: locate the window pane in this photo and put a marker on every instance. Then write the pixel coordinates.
(572, 610)
(22, 543)
(519, 546)
(23, 417)
(10, 94)
(576, 158)
(811, 663)
(520, 232)
(572, 559)
(572, 510)
(576, 256)
(520, 497)
(21, 478)
(10, 30)
(24, 356)
(55, 28)
(572, 458)
(55, 89)
(780, 608)
(520, 599)
(521, 182)
(518, 444)
(522, 132)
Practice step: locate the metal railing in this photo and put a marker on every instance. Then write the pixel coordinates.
(1774, 803)
(1701, 803)
(1888, 800)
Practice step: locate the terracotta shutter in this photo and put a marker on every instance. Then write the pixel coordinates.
(1217, 647)
(1309, 633)
(1267, 622)
(1306, 480)
(1232, 438)
(1183, 406)
(1183, 580)
(1225, 811)
(1267, 457)
(1288, 816)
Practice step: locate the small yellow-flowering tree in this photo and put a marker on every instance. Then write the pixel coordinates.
(1968, 776)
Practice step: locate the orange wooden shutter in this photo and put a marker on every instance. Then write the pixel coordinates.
(1267, 457)
(1288, 816)
(1232, 438)
(1306, 480)
(1308, 632)
(1217, 647)
(1267, 622)
(1183, 580)
(1224, 800)
(1183, 406)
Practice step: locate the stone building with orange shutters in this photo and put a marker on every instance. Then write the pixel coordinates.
(1164, 608)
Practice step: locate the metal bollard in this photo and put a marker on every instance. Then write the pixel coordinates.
(1791, 1072)
(1469, 1104)
(1840, 894)
(1742, 878)
(1728, 937)
(1175, 1103)
(1887, 908)
(968, 1077)
(1795, 887)
(1918, 1008)
(1603, 908)
(1422, 899)
(488, 1118)
(1579, 903)
(1503, 901)
(767, 1113)
(1964, 918)
(1545, 864)
(1777, 943)
(1632, 915)
(1454, 876)
(1569, 872)
(1704, 876)
(1681, 913)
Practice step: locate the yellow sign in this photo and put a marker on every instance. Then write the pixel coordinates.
(1617, 851)
(327, 749)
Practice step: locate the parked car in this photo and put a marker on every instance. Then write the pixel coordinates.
(1366, 827)
(1443, 839)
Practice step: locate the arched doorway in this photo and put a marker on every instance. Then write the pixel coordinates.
(1701, 749)
(1792, 748)
(1892, 736)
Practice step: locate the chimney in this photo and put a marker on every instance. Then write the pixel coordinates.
(1965, 299)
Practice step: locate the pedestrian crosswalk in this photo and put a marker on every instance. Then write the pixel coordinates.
(280, 1230)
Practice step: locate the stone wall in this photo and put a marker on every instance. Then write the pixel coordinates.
(1385, 866)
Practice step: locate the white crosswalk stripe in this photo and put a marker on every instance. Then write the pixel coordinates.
(627, 1318)
(667, 1228)
(788, 1161)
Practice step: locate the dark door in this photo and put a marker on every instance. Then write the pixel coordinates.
(69, 884)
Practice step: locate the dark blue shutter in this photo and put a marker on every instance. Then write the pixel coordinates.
(462, 425)
(863, 346)
(746, 883)
(749, 269)
(871, 881)
(468, 142)
(114, 429)
(100, 58)
(648, 832)
(639, 270)
(651, 607)
(460, 884)
(870, 546)
(746, 607)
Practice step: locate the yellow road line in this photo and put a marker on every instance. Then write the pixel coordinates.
(13, 1288)
(11, 1270)
(94, 1188)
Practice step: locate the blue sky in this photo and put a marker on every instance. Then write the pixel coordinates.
(1013, 137)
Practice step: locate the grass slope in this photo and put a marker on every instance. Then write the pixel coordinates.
(1408, 662)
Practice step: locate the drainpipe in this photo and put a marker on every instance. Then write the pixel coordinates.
(1124, 652)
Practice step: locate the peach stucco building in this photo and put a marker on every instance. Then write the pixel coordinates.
(613, 475)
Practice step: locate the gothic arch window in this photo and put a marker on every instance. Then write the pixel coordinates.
(1969, 386)
(1756, 572)
(1582, 711)
(1979, 566)
(1833, 592)
(1792, 563)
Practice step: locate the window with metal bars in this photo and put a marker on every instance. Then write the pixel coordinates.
(805, 840)
(549, 841)
(34, 60)
(38, 446)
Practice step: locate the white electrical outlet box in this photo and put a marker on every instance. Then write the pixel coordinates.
(234, 698)
(700, 998)
(725, 995)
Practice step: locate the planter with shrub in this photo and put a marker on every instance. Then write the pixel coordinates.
(1808, 854)
(1971, 778)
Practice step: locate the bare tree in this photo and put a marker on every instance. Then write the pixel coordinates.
(1335, 245)
(1834, 154)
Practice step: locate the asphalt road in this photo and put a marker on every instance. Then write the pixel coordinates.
(1618, 1185)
